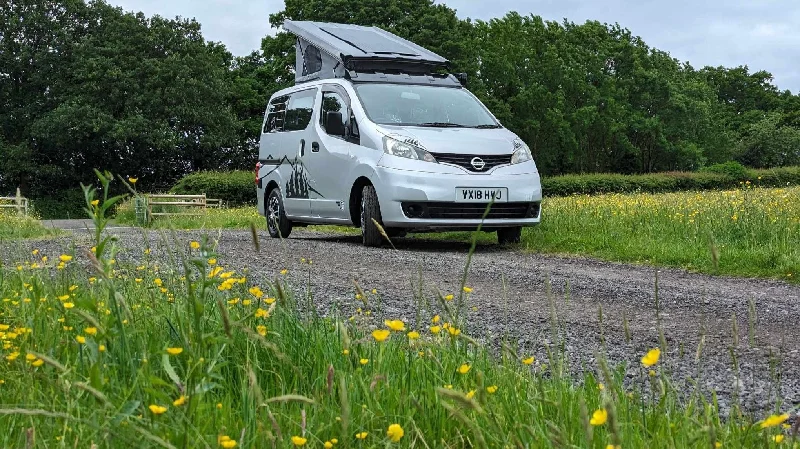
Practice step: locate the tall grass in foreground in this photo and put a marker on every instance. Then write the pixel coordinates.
(191, 354)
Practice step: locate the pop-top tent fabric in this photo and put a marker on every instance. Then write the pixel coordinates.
(330, 50)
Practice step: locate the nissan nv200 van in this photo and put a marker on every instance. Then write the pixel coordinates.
(376, 134)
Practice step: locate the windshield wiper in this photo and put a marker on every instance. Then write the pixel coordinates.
(486, 126)
(440, 125)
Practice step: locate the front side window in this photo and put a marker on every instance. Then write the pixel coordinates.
(299, 110)
(334, 102)
(408, 105)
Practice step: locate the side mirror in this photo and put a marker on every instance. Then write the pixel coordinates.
(462, 78)
(333, 123)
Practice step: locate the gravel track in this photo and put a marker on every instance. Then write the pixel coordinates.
(511, 298)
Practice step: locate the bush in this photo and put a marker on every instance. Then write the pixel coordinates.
(68, 204)
(234, 188)
(718, 177)
(731, 169)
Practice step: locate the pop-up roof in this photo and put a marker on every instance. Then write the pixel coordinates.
(332, 50)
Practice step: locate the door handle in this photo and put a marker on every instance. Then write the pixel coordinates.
(302, 147)
(314, 147)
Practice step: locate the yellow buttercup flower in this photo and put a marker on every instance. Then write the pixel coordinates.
(448, 298)
(30, 357)
(327, 445)
(133, 180)
(180, 401)
(194, 245)
(68, 305)
(90, 331)
(528, 361)
(262, 330)
(361, 435)
(436, 319)
(467, 289)
(470, 394)
(380, 335)
(491, 389)
(651, 358)
(37, 363)
(13, 356)
(464, 369)
(157, 409)
(95, 203)
(261, 313)
(436, 329)
(599, 417)
(453, 331)
(413, 335)
(299, 441)
(80, 339)
(64, 258)
(63, 297)
(395, 325)
(363, 361)
(778, 439)
(174, 351)
(395, 433)
(774, 420)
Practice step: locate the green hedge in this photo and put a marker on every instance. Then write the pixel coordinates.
(235, 188)
(712, 179)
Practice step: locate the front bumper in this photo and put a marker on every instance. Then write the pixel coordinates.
(420, 200)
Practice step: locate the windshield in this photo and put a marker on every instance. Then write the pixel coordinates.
(395, 104)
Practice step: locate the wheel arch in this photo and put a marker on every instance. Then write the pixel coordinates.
(354, 202)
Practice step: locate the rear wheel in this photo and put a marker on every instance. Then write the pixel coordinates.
(509, 235)
(370, 209)
(277, 224)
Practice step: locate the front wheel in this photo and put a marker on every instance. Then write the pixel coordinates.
(370, 209)
(277, 224)
(509, 235)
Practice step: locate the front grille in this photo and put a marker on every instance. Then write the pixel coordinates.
(470, 211)
(465, 160)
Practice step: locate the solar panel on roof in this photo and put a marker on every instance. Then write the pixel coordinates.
(368, 41)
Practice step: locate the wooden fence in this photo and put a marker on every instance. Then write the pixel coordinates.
(19, 203)
(164, 205)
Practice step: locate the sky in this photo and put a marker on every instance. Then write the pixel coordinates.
(761, 34)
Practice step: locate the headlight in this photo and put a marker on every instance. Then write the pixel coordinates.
(405, 147)
(521, 153)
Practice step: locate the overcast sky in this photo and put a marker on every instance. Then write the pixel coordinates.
(762, 34)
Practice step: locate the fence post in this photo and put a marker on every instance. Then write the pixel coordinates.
(141, 208)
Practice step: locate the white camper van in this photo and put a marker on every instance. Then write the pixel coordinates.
(376, 131)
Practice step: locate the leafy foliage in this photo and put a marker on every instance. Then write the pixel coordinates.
(233, 187)
(83, 85)
(717, 177)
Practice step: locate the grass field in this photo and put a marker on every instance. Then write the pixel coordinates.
(191, 354)
(744, 232)
(13, 226)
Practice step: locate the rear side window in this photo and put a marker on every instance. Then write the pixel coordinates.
(276, 114)
(299, 110)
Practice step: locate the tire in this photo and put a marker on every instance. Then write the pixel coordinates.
(370, 209)
(277, 224)
(507, 236)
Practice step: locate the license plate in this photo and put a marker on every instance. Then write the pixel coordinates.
(481, 195)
